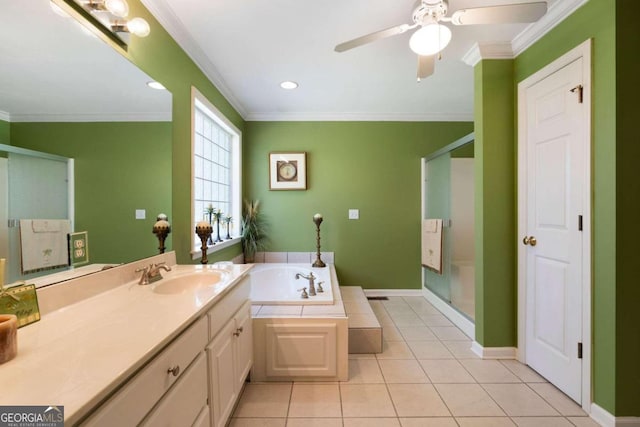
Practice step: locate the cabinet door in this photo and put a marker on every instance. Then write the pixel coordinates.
(222, 379)
(244, 342)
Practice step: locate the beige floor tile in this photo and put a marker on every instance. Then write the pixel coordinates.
(560, 401)
(365, 371)
(264, 401)
(417, 400)
(522, 371)
(446, 371)
(407, 319)
(395, 350)
(429, 422)
(468, 400)
(311, 400)
(362, 356)
(371, 422)
(257, 422)
(429, 350)
(386, 321)
(391, 333)
(583, 422)
(485, 422)
(542, 421)
(314, 422)
(366, 400)
(449, 333)
(519, 400)
(436, 320)
(402, 371)
(461, 349)
(489, 371)
(417, 333)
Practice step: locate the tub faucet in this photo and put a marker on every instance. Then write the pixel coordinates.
(151, 273)
(311, 278)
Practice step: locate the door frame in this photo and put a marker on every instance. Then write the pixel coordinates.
(581, 51)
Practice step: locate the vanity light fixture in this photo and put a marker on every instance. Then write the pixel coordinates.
(156, 85)
(289, 85)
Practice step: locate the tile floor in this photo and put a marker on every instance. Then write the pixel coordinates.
(426, 377)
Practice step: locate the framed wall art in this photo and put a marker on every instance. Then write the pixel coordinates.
(288, 171)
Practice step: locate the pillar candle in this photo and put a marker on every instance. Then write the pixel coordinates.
(8, 337)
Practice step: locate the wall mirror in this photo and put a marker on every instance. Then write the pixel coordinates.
(448, 194)
(69, 94)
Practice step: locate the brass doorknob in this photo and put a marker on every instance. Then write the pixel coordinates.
(529, 240)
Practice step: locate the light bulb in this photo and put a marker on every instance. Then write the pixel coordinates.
(139, 27)
(430, 39)
(288, 85)
(118, 8)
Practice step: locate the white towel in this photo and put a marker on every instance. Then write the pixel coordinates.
(43, 243)
(432, 244)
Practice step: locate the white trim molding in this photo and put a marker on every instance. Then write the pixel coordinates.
(464, 324)
(92, 117)
(5, 116)
(493, 352)
(606, 419)
(359, 117)
(581, 51)
(480, 51)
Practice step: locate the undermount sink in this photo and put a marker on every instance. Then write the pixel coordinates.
(188, 282)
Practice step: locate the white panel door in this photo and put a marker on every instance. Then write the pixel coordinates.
(554, 175)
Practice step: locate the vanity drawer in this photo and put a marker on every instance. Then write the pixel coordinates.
(136, 398)
(227, 306)
(182, 405)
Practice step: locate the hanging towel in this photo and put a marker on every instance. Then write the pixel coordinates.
(432, 244)
(43, 244)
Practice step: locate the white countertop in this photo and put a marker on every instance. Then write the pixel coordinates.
(77, 355)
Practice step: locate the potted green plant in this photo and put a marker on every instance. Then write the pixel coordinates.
(253, 230)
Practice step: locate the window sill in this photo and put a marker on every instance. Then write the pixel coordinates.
(197, 253)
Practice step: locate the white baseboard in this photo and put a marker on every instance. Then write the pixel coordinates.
(493, 352)
(464, 324)
(606, 419)
(392, 292)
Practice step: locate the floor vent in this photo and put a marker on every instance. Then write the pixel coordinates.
(378, 298)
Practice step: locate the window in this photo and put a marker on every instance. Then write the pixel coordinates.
(216, 168)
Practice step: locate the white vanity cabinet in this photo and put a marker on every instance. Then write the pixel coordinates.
(230, 352)
(171, 381)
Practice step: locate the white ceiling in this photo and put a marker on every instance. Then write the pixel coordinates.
(52, 70)
(247, 47)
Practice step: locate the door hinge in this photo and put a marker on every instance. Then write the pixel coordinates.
(578, 89)
(579, 350)
(579, 222)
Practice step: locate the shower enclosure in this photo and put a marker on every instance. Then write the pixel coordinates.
(448, 194)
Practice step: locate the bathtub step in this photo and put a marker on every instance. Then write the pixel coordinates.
(365, 332)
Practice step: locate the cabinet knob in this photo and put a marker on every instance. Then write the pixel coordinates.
(175, 370)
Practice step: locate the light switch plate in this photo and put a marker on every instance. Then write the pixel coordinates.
(141, 214)
(354, 213)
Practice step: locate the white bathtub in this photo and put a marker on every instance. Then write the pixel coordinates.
(276, 284)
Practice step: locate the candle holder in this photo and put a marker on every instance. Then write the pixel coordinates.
(217, 216)
(317, 219)
(204, 230)
(161, 229)
(227, 222)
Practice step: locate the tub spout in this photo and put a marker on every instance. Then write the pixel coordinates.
(311, 278)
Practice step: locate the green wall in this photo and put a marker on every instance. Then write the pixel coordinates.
(5, 132)
(627, 206)
(371, 166)
(119, 167)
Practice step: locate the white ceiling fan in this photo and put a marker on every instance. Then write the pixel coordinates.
(432, 37)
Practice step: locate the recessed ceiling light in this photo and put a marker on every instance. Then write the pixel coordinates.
(288, 85)
(156, 85)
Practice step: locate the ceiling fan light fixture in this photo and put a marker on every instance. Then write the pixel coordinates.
(289, 85)
(430, 39)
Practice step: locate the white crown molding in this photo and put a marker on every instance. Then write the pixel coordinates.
(480, 51)
(5, 116)
(172, 24)
(93, 117)
(359, 117)
(557, 13)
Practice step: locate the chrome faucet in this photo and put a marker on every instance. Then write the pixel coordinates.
(311, 278)
(151, 273)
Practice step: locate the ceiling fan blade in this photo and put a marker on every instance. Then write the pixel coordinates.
(399, 29)
(426, 66)
(506, 14)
